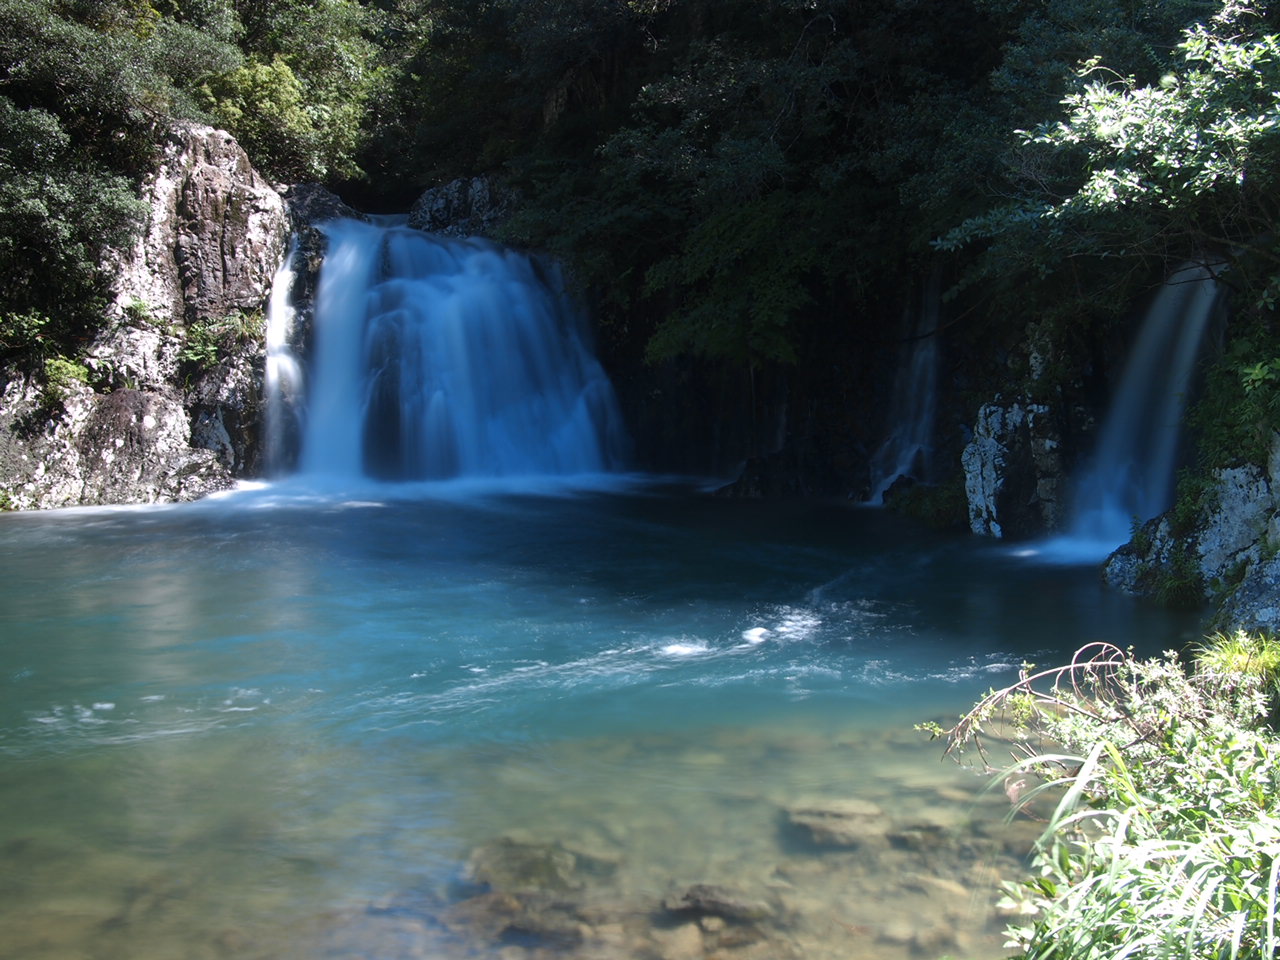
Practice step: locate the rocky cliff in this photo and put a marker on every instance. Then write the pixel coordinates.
(1023, 445)
(165, 403)
(1220, 547)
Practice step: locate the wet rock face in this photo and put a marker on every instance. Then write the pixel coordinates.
(1014, 475)
(309, 205)
(467, 207)
(1228, 556)
(140, 425)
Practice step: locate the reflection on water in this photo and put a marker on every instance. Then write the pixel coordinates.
(508, 726)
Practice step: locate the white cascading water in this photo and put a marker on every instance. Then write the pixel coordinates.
(1130, 477)
(284, 383)
(437, 358)
(906, 450)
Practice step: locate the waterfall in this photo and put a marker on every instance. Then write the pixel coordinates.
(1130, 476)
(284, 383)
(906, 449)
(436, 358)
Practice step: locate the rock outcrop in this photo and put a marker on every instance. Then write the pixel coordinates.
(126, 446)
(467, 207)
(165, 403)
(1014, 470)
(215, 236)
(1224, 552)
(1024, 444)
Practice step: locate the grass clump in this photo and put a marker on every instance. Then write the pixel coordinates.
(1252, 656)
(61, 377)
(1160, 791)
(208, 342)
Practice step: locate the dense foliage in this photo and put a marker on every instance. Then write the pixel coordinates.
(744, 180)
(728, 174)
(87, 88)
(1163, 823)
(82, 90)
(1185, 166)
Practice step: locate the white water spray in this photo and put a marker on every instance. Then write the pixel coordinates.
(284, 383)
(438, 358)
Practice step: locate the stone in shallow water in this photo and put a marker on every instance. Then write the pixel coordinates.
(682, 943)
(840, 822)
(532, 918)
(514, 866)
(708, 899)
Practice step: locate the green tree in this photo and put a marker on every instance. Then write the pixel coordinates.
(1183, 167)
(297, 104)
(84, 89)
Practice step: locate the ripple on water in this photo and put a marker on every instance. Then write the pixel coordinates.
(288, 726)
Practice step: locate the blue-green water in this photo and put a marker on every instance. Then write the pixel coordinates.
(279, 724)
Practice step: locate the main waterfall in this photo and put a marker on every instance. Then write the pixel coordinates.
(437, 358)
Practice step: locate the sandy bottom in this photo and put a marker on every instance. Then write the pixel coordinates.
(753, 843)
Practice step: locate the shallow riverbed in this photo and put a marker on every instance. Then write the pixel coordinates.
(454, 721)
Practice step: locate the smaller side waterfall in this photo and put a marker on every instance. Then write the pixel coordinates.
(1130, 477)
(284, 384)
(436, 358)
(906, 449)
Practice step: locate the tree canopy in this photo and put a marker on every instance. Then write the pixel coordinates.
(1182, 167)
(727, 178)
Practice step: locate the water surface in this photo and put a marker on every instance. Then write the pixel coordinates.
(290, 724)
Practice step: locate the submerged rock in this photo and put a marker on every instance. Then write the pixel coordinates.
(706, 899)
(682, 943)
(514, 866)
(494, 917)
(527, 892)
(844, 822)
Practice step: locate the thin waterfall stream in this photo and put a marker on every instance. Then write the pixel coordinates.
(1129, 478)
(906, 449)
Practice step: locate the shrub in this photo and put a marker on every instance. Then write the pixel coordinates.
(1230, 656)
(209, 341)
(23, 333)
(1163, 839)
(60, 377)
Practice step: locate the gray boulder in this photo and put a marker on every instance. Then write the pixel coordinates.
(1228, 553)
(467, 207)
(1014, 471)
